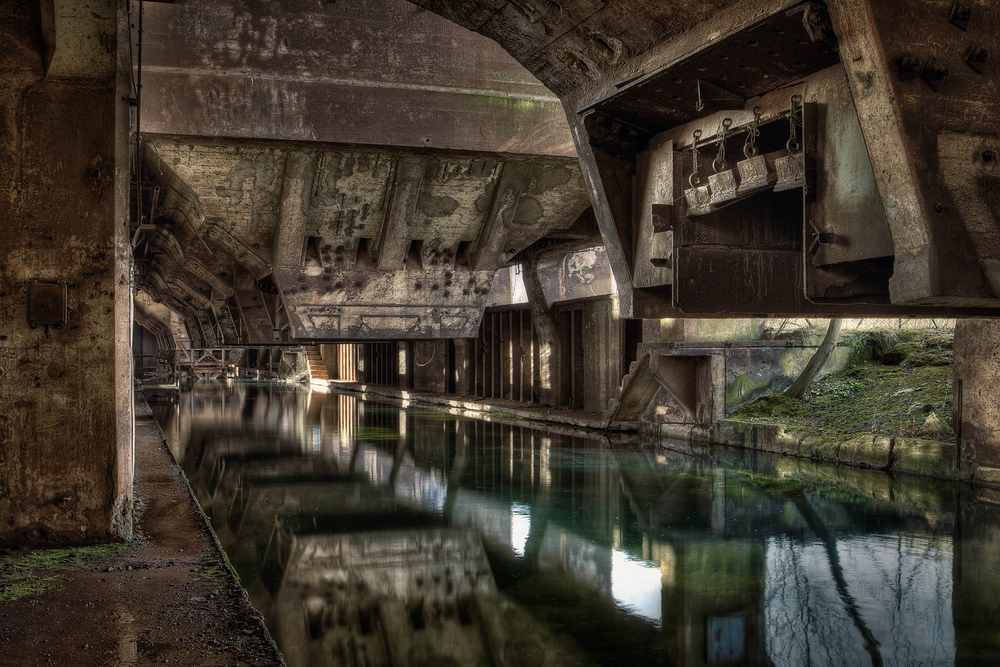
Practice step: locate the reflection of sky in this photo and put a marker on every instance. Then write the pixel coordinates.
(520, 526)
(635, 586)
(901, 585)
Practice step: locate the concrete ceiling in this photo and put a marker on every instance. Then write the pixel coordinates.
(341, 171)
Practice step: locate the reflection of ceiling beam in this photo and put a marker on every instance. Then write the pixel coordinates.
(492, 239)
(394, 234)
(293, 209)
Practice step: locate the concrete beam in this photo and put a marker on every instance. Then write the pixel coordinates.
(393, 238)
(612, 209)
(492, 238)
(868, 75)
(341, 73)
(293, 209)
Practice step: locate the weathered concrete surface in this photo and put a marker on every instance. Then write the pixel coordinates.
(378, 243)
(66, 452)
(430, 365)
(576, 275)
(919, 89)
(385, 73)
(976, 382)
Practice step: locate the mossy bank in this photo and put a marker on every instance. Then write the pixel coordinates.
(891, 408)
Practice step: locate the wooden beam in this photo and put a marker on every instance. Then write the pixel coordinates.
(394, 235)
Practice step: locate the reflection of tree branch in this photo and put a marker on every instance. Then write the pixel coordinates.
(817, 526)
(536, 538)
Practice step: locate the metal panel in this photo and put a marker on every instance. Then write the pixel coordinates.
(847, 203)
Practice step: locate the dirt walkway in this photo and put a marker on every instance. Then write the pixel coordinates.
(167, 598)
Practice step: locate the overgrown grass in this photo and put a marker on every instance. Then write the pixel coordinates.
(870, 345)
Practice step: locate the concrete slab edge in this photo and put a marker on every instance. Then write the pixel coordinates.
(912, 456)
(482, 410)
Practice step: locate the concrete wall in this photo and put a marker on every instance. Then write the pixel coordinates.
(701, 330)
(66, 447)
(752, 372)
(976, 382)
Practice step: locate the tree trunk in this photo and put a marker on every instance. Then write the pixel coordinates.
(818, 359)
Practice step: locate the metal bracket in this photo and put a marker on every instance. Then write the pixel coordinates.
(47, 304)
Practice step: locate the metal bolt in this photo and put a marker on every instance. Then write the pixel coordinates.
(961, 15)
(934, 74)
(908, 67)
(976, 56)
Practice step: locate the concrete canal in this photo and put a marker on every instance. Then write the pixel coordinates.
(369, 533)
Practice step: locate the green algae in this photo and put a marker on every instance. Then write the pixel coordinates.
(30, 573)
(375, 433)
(741, 387)
(216, 576)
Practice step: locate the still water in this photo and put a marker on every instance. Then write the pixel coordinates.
(370, 534)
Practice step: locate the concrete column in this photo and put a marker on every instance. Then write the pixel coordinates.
(430, 365)
(603, 336)
(66, 438)
(976, 382)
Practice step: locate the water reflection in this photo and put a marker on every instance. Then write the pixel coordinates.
(369, 534)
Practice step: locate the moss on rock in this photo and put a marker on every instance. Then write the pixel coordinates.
(900, 352)
(774, 405)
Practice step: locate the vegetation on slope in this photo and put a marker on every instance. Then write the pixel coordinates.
(899, 383)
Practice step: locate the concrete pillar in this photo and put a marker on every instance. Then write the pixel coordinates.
(66, 439)
(430, 365)
(603, 340)
(550, 371)
(976, 382)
